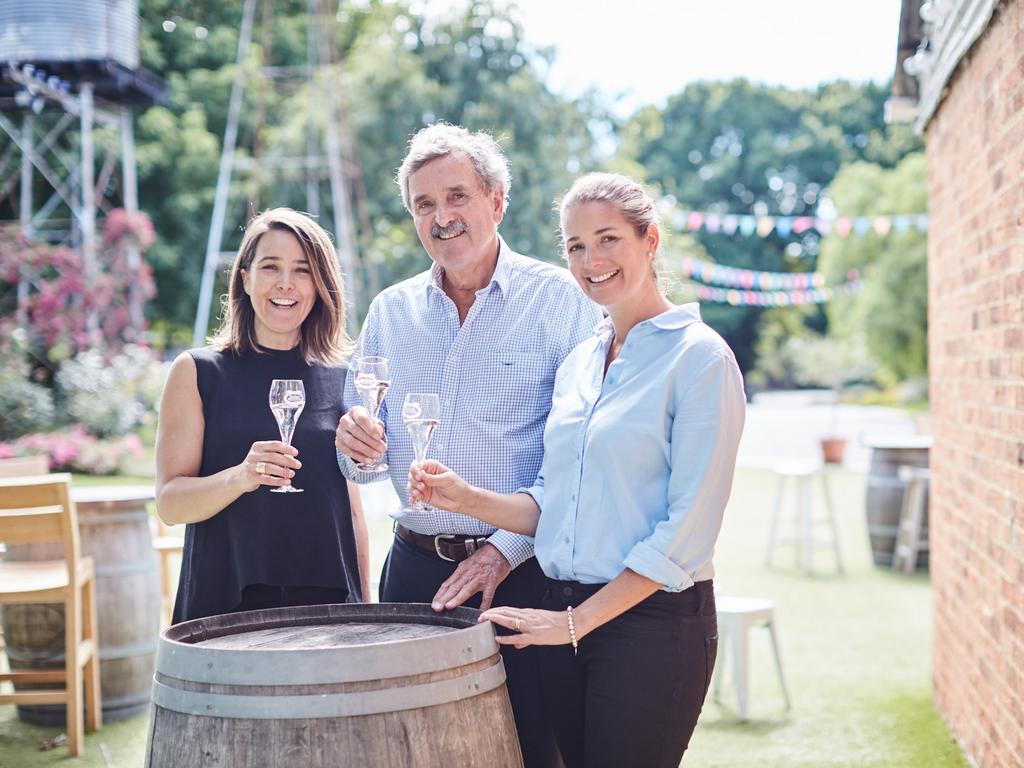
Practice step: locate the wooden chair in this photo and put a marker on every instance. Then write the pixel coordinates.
(167, 546)
(23, 466)
(37, 509)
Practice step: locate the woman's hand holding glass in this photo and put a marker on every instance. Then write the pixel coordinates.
(431, 482)
(269, 462)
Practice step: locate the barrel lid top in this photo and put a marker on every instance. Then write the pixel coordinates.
(88, 494)
(897, 441)
(337, 635)
(318, 644)
(359, 616)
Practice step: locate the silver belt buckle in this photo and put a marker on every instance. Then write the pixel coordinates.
(437, 546)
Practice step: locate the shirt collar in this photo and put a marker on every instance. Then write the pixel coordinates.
(501, 277)
(669, 320)
(677, 317)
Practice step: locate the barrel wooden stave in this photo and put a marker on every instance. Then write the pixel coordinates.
(884, 500)
(116, 535)
(474, 728)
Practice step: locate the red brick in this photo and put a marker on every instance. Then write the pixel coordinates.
(976, 350)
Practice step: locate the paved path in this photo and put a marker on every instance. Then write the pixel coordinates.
(780, 426)
(788, 425)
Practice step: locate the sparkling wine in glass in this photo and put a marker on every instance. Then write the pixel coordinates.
(372, 382)
(287, 399)
(421, 413)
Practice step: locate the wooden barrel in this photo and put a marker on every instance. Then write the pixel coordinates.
(378, 684)
(114, 530)
(885, 492)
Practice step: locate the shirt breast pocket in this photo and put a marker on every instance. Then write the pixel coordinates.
(514, 387)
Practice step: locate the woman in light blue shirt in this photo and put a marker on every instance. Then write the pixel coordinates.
(639, 454)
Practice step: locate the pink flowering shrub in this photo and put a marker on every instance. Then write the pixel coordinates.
(68, 390)
(75, 450)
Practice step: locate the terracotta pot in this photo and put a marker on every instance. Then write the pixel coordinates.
(832, 449)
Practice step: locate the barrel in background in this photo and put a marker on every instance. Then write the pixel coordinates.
(885, 490)
(331, 685)
(114, 526)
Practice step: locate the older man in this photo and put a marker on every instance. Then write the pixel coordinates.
(485, 328)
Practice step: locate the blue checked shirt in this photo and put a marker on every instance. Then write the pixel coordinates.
(493, 374)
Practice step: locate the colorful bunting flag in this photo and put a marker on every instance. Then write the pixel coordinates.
(784, 226)
(748, 279)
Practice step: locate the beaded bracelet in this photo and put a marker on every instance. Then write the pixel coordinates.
(572, 631)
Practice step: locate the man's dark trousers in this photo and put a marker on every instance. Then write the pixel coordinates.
(413, 575)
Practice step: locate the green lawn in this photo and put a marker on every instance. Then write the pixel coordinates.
(856, 651)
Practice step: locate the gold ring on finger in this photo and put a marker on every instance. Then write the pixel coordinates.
(261, 467)
(517, 624)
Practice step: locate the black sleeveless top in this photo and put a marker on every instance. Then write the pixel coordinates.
(280, 539)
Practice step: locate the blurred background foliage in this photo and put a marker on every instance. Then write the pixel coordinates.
(721, 147)
(724, 147)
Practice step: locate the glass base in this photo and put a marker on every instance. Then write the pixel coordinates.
(379, 467)
(286, 489)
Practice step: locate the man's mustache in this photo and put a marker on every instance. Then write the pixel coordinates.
(455, 228)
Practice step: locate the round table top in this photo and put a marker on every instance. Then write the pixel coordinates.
(91, 494)
(898, 441)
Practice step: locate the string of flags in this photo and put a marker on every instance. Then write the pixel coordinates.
(775, 298)
(748, 287)
(784, 226)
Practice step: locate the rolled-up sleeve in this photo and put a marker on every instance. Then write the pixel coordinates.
(707, 422)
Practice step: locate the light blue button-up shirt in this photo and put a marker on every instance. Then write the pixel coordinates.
(493, 373)
(638, 462)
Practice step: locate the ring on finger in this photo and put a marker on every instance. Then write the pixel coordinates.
(517, 623)
(261, 467)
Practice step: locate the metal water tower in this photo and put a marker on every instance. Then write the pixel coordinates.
(68, 66)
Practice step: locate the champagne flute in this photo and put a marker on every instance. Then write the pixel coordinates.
(287, 399)
(421, 413)
(372, 382)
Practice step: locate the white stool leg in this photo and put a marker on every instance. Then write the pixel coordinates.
(806, 514)
(778, 660)
(833, 524)
(773, 531)
(739, 665)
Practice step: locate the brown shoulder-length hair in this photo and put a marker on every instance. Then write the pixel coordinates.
(323, 338)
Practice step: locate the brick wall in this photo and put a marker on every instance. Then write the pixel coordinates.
(976, 345)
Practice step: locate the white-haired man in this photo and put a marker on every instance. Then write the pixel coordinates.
(485, 328)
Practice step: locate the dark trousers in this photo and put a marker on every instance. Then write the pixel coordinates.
(256, 597)
(632, 695)
(413, 575)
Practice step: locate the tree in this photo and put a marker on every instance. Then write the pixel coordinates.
(740, 148)
(398, 72)
(892, 309)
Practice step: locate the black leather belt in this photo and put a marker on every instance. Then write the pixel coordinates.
(453, 547)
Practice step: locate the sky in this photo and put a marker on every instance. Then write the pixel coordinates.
(642, 51)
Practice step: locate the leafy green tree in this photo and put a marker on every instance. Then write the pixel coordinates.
(892, 309)
(397, 72)
(740, 148)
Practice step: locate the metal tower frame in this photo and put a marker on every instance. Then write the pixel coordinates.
(319, 58)
(76, 185)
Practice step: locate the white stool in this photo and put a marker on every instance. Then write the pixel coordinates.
(801, 476)
(735, 616)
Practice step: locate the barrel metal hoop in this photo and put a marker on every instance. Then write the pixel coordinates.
(127, 567)
(93, 517)
(144, 647)
(319, 705)
(315, 666)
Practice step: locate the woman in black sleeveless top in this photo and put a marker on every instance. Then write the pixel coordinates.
(217, 456)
